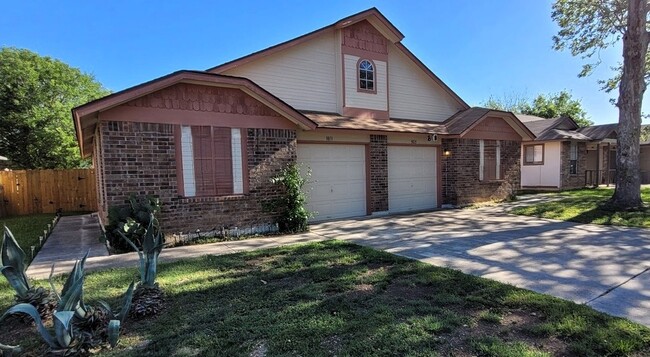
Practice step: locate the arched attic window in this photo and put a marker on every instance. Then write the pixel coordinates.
(366, 75)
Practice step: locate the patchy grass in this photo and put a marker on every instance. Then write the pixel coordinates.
(336, 298)
(585, 206)
(27, 229)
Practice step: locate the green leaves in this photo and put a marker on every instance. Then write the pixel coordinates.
(552, 105)
(36, 96)
(152, 245)
(290, 203)
(12, 264)
(33, 313)
(113, 331)
(71, 297)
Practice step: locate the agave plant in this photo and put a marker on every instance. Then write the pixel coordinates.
(152, 245)
(148, 298)
(13, 267)
(71, 297)
(64, 338)
(93, 323)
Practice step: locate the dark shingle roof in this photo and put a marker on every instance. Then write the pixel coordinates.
(337, 121)
(599, 132)
(460, 121)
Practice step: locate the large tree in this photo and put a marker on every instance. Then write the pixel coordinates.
(589, 26)
(36, 96)
(544, 105)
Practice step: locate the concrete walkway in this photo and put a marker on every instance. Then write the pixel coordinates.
(41, 269)
(70, 239)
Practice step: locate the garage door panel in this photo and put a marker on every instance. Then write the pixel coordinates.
(338, 182)
(412, 181)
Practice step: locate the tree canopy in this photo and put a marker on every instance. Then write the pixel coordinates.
(544, 105)
(36, 96)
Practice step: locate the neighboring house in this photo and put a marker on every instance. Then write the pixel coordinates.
(380, 132)
(565, 156)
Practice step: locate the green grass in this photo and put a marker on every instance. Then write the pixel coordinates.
(27, 229)
(495, 347)
(585, 206)
(335, 298)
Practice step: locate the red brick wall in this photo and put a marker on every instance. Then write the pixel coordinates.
(378, 173)
(460, 172)
(140, 158)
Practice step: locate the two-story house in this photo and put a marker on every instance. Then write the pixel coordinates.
(380, 132)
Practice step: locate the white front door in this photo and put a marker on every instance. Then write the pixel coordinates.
(337, 187)
(412, 181)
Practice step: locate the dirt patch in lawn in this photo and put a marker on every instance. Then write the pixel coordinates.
(515, 326)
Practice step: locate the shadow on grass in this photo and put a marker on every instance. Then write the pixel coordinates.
(335, 298)
(588, 206)
(338, 298)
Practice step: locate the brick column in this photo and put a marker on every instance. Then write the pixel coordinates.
(378, 173)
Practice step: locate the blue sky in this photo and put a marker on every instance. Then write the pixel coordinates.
(478, 47)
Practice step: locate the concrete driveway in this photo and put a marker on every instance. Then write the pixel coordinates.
(604, 267)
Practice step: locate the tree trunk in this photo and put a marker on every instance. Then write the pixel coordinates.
(627, 195)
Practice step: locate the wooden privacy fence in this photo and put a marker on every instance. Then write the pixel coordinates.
(47, 191)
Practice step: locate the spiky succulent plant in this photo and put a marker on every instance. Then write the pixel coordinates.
(95, 324)
(148, 298)
(13, 267)
(152, 245)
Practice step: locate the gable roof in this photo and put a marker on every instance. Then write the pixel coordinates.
(565, 128)
(372, 15)
(85, 116)
(599, 132)
(463, 121)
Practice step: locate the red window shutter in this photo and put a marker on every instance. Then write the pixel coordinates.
(223, 161)
(203, 162)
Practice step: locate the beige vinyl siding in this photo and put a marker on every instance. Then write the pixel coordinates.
(546, 175)
(356, 99)
(302, 76)
(413, 94)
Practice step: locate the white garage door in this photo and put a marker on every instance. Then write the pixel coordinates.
(337, 187)
(412, 181)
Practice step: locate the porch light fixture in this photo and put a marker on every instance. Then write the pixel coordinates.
(447, 153)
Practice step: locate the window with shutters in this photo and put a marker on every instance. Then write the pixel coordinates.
(211, 161)
(489, 160)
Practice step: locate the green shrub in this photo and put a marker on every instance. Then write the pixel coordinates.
(132, 221)
(290, 206)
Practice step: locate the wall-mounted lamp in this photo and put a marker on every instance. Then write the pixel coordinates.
(446, 153)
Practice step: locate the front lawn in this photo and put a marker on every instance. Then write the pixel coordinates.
(584, 206)
(27, 229)
(335, 298)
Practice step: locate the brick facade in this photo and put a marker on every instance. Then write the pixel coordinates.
(140, 158)
(378, 173)
(567, 180)
(460, 172)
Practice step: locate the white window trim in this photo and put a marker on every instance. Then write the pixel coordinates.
(187, 158)
(237, 172)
